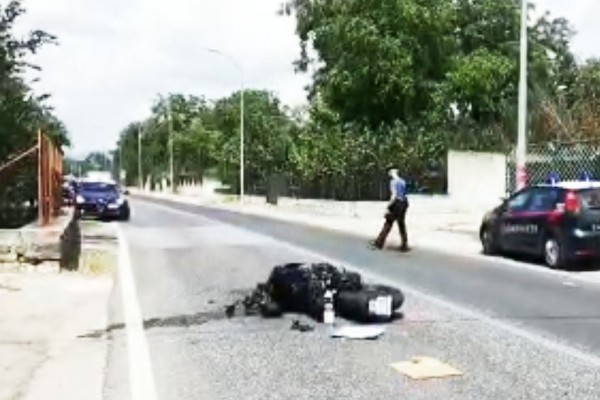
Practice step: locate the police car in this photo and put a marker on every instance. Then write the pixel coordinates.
(556, 221)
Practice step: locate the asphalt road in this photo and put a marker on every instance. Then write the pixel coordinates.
(541, 302)
(187, 265)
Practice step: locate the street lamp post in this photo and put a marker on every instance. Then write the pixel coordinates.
(120, 172)
(521, 151)
(171, 156)
(242, 149)
(140, 176)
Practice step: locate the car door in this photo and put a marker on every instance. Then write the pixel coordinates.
(536, 217)
(511, 220)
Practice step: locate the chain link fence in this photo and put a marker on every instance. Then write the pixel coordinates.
(569, 160)
(363, 186)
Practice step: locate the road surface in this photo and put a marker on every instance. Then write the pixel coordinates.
(514, 334)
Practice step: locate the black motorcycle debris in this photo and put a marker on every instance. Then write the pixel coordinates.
(300, 288)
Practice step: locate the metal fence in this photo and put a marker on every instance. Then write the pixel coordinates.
(369, 185)
(50, 173)
(30, 184)
(569, 160)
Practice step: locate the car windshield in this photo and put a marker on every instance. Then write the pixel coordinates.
(590, 199)
(99, 187)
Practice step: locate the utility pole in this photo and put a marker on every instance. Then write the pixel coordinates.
(171, 157)
(242, 149)
(521, 151)
(120, 172)
(242, 85)
(140, 176)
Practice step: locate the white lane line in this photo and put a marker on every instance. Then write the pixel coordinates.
(536, 269)
(141, 378)
(538, 339)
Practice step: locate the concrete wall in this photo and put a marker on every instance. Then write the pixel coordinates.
(476, 178)
(34, 242)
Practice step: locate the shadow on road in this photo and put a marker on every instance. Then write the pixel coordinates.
(583, 266)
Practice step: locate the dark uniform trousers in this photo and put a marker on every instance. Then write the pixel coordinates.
(396, 213)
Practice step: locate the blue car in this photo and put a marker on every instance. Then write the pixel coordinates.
(103, 200)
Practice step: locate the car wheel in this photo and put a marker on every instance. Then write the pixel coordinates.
(553, 253)
(488, 241)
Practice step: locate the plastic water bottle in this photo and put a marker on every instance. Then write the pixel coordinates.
(328, 312)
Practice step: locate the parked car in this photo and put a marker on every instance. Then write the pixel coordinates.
(69, 191)
(559, 222)
(102, 199)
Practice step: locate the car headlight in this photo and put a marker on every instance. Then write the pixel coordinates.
(120, 201)
(80, 199)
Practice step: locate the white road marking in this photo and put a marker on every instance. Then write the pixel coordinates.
(141, 378)
(535, 338)
(537, 269)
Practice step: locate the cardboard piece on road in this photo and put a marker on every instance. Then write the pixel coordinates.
(425, 368)
(358, 332)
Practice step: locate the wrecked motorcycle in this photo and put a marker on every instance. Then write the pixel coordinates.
(300, 288)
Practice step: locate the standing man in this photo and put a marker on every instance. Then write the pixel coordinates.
(396, 212)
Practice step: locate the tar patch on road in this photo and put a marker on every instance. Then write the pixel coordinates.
(178, 321)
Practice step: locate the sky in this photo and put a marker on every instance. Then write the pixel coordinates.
(115, 56)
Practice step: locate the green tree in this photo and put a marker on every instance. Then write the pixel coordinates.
(395, 82)
(267, 136)
(21, 112)
(378, 60)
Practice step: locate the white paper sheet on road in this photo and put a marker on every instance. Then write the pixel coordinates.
(358, 332)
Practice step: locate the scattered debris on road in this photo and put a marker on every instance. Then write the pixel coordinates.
(301, 327)
(419, 368)
(305, 289)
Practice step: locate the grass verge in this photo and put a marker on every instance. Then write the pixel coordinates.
(97, 262)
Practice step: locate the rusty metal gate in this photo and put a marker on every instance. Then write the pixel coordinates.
(50, 172)
(44, 160)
